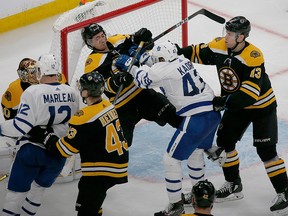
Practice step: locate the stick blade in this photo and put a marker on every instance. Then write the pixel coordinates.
(213, 16)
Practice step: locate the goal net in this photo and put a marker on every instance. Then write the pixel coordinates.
(116, 17)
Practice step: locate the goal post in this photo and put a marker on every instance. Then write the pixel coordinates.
(123, 17)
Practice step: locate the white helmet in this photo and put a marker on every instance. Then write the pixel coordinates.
(47, 64)
(165, 51)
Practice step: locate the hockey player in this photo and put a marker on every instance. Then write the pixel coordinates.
(186, 90)
(247, 97)
(95, 132)
(203, 196)
(133, 103)
(10, 101)
(34, 169)
(11, 98)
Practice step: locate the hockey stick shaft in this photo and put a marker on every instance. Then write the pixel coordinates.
(202, 11)
(4, 177)
(129, 69)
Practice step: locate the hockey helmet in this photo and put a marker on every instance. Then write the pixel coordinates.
(203, 194)
(27, 71)
(93, 82)
(239, 24)
(47, 64)
(165, 51)
(89, 32)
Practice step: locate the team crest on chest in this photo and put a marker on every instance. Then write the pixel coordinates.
(228, 79)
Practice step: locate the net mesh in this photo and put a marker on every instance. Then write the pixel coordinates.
(157, 17)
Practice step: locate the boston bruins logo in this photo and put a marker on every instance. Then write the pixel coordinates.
(228, 79)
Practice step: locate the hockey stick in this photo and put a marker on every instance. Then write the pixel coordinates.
(202, 11)
(4, 177)
(67, 169)
(129, 69)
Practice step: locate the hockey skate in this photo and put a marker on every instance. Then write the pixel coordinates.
(229, 191)
(173, 209)
(280, 204)
(187, 198)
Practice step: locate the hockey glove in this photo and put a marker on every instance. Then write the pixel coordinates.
(143, 57)
(217, 155)
(45, 137)
(219, 103)
(122, 78)
(123, 63)
(145, 35)
(142, 34)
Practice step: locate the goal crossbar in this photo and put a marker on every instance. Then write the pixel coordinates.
(103, 17)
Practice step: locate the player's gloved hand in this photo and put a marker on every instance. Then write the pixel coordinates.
(123, 62)
(145, 35)
(219, 103)
(179, 50)
(143, 57)
(216, 154)
(122, 78)
(142, 34)
(43, 136)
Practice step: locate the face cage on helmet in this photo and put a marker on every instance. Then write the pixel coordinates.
(28, 75)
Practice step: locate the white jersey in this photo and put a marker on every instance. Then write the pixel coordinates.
(180, 82)
(45, 105)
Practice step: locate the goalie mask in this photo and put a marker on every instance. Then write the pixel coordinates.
(164, 52)
(47, 64)
(203, 194)
(93, 82)
(27, 71)
(89, 32)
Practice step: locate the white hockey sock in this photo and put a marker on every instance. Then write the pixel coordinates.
(13, 202)
(173, 177)
(196, 166)
(33, 200)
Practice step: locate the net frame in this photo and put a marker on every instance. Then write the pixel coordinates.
(109, 15)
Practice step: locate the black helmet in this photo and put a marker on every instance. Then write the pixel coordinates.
(203, 193)
(93, 82)
(89, 31)
(239, 24)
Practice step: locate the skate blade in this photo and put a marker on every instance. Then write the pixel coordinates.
(282, 212)
(231, 197)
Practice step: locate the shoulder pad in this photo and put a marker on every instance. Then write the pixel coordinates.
(93, 61)
(218, 44)
(89, 113)
(252, 56)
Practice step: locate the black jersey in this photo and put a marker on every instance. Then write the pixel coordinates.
(95, 132)
(103, 62)
(241, 74)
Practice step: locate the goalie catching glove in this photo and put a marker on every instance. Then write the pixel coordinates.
(45, 137)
